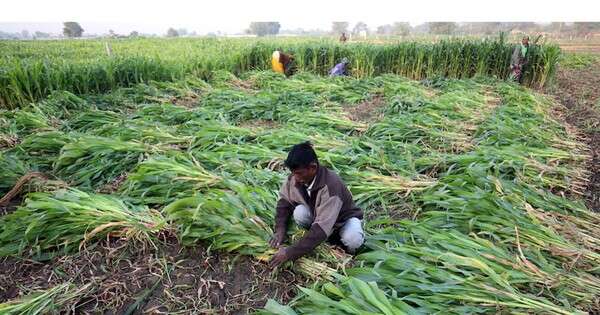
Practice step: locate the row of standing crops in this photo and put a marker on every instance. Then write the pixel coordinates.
(30, 70)
(465, 184)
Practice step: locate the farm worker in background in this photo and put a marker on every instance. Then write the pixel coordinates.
(282, 63)
(340, 69)
(343, 38)
(320, 202)
(519, 60)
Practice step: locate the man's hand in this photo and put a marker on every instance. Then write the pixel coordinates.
(277, 239)
(279, 258)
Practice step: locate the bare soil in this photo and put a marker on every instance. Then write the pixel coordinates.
(162, 280)
(11, 206)
(579, 91)
(366, 111)
(588, 48)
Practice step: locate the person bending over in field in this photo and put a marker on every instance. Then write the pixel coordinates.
(341, 69)
(320, 202)
(282, 63)
(519, 60)
(343, 38)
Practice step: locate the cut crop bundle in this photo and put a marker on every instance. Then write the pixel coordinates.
(69, 219)
(163, 179)
(95, 161)
(238, 222)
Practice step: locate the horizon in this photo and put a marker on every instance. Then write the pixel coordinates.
(99, 28)
(233, 17)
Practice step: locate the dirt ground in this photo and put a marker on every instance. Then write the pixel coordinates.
(579, 91)
(589, 48)
(162, 280)
(366, 111)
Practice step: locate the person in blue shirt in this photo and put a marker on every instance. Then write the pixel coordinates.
(341, 69)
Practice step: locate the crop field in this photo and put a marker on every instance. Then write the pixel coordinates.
(30, 70)
(150, 187)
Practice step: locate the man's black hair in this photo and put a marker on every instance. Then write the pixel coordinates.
(301, 155)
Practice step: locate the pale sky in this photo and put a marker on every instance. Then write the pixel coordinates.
(152, 16)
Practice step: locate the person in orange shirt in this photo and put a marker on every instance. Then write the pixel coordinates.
(282, 63)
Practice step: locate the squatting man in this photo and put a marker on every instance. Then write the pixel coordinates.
(320, 202)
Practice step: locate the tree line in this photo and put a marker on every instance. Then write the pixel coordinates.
(73, 29)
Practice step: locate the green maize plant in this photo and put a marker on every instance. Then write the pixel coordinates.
(77, 68)
(167, 114)
(256, 155)
(9, 136)
(470, 208)
(448, 271)
(324, 121)
(24, 122)
(62, 104)
(471, 187)
(239, 222)
(12, 169)
(92, 120)
(67, 220)
(163, 179)
(322, 140)
(489, 235)
(50, 301)
(360, 297)
(43, 148)
(95, 161)
(211, 134)
(510, 160)
(249, 175)
(145, 132)
(369, 187)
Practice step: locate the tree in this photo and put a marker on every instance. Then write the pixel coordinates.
(401, 28)
(556, 27)
(398, 28)
(360, 27)
(182, 31)
(72, 29)
(264, 28)
(339, 27)
(112, 33)
(386, 29)
(5, 35)
(584, 28)
(134, 34)
(486, 28)
(25, 34)
(445, 28)
(39, 34)
(171, 32)
(519, 26)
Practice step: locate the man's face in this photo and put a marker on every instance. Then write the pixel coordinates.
(525, 41)
(304, 175)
